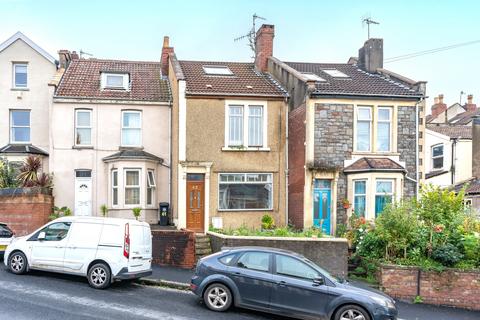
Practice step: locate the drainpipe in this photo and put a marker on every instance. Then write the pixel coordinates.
(417, 186)
(286, 163)
(454, 155)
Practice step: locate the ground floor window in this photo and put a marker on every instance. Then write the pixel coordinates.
(245, 191)
(360, 197)
(132, 186)
(151, 187)
(114, 187)
(383, 195)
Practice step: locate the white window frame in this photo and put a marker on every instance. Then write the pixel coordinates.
(357, 109)
(246, 104)
(432, 158)
(361, 194)
(12, 136)
(122, 128)
(210, 70)
(125, 187)
(390, 122)
(14, 77)
(125, 83)
(151, 186)
(83, 127)
(246, 182)
(115, 187)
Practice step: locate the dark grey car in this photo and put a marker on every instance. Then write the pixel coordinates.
(286, 283)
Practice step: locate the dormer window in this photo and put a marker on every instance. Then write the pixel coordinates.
(335, 73)
(117, 81)
(217, 70)
(313, 77)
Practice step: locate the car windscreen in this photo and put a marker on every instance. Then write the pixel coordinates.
(5, 231)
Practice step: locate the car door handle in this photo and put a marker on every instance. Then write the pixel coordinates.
(238, 273)
(282, 283)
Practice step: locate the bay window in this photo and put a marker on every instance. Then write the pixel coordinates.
(132, 186)
(383, 194)
(131, 128)
(114, 187)
(150, 187)
(359, 197)
(245, 191)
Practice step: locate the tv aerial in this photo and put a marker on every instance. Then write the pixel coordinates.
(367, 21)
(250, 36)
(83, 53)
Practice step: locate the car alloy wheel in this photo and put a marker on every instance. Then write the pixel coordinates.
(218, 297)
(352, 314)
(17, 263)
(98, 276)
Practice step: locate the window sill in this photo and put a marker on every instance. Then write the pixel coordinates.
(20, 89)
(375, 153)
(83, 147)
(130, 148)
(242, 210)
(21, 143)
(261, 149)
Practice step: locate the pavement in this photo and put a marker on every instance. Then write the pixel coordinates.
(43, 295)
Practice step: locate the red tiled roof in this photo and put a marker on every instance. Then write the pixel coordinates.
(245, 80)
(472, 186)
(359, 82)
(374, 164)
(452, 131)
(465, 117)
(82, 80)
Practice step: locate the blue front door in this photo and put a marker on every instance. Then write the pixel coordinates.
(321, 205)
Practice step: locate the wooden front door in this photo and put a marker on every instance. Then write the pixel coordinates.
(195, 202)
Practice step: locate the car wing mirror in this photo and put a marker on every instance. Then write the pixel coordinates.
(318, 281)
(41, 236)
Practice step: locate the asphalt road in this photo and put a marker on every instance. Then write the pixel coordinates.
(41, 295)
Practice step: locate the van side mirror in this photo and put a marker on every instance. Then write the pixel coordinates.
(318, 281)
(41, 236)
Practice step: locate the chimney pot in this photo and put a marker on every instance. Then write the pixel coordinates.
(438, 107)
(166, 52)
(166, 42)
(264, 46)
(440, 98)
(470, 106)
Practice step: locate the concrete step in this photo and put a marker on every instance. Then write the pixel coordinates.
(202, 240)
(203, 251)
(203, 247)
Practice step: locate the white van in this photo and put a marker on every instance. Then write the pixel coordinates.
(102, 249)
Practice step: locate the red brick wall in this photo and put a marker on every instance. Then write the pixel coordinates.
(174, 248)
(451, 287)
(296, 165)
(264, 46)
(24, 213)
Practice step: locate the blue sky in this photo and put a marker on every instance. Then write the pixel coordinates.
(313, 31)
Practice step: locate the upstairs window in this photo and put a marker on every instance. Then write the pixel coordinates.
(131, 128)
(245, 126)
(119, 81)
(20, 126)
(384, 129)
(364, 128)
(83, 127)
(20, 75)
(437, 157)
(217, 70)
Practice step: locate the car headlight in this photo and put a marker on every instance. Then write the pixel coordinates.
(384, 302)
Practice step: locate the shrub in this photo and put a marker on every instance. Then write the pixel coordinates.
(136, 212)
(29, 175)
(104, 210)
(341, 230)
(447, 254)
(7, 175)
(59, 212)
(267, 222)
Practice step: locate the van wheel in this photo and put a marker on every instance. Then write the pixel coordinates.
(351, 312)
(99, 276)
(217, 297)
(17, 263)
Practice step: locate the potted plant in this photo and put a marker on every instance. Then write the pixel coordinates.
(136, 212)
(345, 203)
(104, 210)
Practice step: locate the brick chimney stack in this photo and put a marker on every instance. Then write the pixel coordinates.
(264, 46)
(166, 52)
(370, 56)
(470, 106)
(476, 147)
(438, 107)
(64, 58)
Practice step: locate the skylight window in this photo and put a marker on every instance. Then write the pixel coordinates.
(335, 73)
(313, 77)
(115, 81)
(217, 70)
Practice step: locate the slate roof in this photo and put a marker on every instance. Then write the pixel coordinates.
(359, 82)
(452, 131)
(465, 117)
(374, 164)
(132, 154)
(436, 173)
(245, 80)
(82, 80)
(22, 148)
(472, 186)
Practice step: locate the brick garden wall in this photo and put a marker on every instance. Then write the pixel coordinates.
(173, 248)
(329, 253)
(450, 288)
(334, 144)
(25, 209)
(296, 165)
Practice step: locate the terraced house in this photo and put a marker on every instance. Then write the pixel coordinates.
(228, 135)
(25, 97)
(355, 137)
(110, 131)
